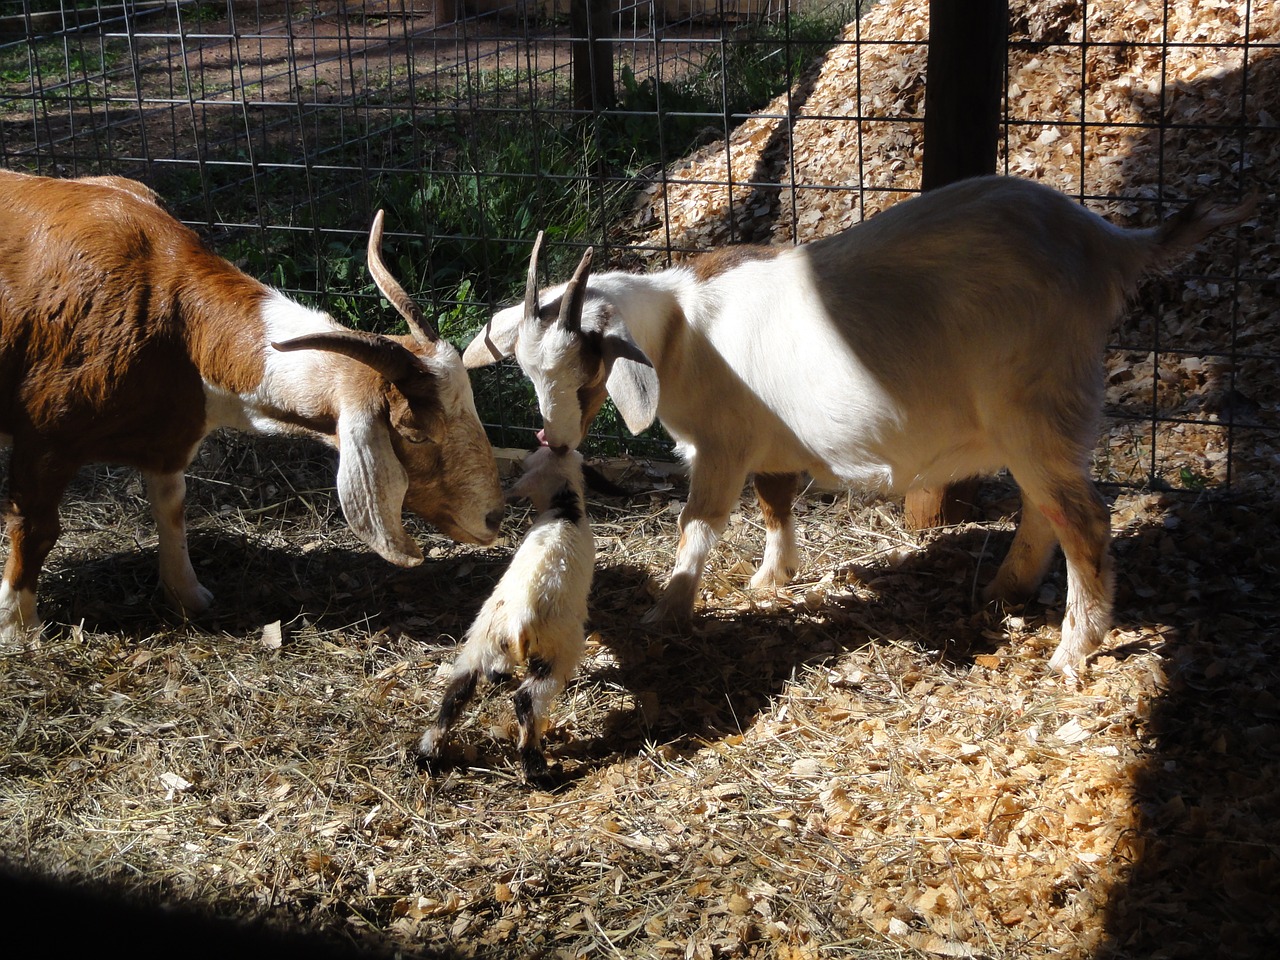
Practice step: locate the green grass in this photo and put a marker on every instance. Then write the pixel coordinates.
(54, 64)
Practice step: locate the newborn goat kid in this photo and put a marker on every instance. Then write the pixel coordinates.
(535, 615)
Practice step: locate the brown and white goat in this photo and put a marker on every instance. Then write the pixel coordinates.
(955, 334)
(534, 617)
(124, 340)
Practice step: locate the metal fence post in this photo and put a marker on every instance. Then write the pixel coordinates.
(965, 84)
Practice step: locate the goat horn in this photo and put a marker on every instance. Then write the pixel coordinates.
(574, 294)
(386, 356)
(531, 285)
(419, 326)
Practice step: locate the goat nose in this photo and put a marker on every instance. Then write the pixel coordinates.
(494, 519)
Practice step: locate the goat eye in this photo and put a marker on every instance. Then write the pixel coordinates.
(416, 437)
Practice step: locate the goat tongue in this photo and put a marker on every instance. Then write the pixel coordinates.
(542, 441)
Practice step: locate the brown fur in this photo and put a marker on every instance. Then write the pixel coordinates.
(712, 264)
(125, 388)
(777, 494)
(151, 278)
(675, 338)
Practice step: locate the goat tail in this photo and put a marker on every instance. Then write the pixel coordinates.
(1186, 228)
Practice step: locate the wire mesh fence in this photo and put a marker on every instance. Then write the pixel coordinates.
(277, 127)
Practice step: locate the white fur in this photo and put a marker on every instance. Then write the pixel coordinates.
(534, 617)
(17, 615)
(956, 334)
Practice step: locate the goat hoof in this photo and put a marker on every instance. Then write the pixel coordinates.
(534, 762)
(437, 764)
(189, 602)
(666, 615)
(771, 579)
(17, 636)
(1006, 596)
(427, 756)
(1067, 665)
(537, 772)
(550, 778)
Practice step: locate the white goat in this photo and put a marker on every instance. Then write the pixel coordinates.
(123, 339)
(957, 333)
(534, 617)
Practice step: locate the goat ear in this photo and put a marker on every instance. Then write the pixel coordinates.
(496, 339)
(372, 485)
(520, 488)
(618, 345)
(634, 389)
(632, 382)
(420, 423)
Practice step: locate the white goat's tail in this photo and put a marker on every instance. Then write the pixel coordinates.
(1186, 228)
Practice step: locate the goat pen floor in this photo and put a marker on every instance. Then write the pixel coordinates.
(871, 764)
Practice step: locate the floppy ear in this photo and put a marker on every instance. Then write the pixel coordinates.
(496, 339)
(372, 485)
(522, 487)
(631, 380)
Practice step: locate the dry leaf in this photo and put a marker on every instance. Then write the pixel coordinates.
(272, 636)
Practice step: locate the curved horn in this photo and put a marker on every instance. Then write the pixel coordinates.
(531, 285)
(419, 326)
(386, 356)
(574, 294)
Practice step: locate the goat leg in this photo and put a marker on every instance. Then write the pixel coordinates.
(1028, 558)
(777, 494)
(1080, 520)
(543, 681)
(713, 491)
(456, 696)
(32, 521)
(167, 493)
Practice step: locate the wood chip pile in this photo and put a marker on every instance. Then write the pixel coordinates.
(869, 764)
(1093, 124)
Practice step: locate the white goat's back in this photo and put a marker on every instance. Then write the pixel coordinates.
(917, 347)
(549, 578)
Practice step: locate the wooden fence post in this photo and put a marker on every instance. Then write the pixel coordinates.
(968, 42)
(591, 25)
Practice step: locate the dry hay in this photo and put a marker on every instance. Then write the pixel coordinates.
(870, 764)
(870, 759)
